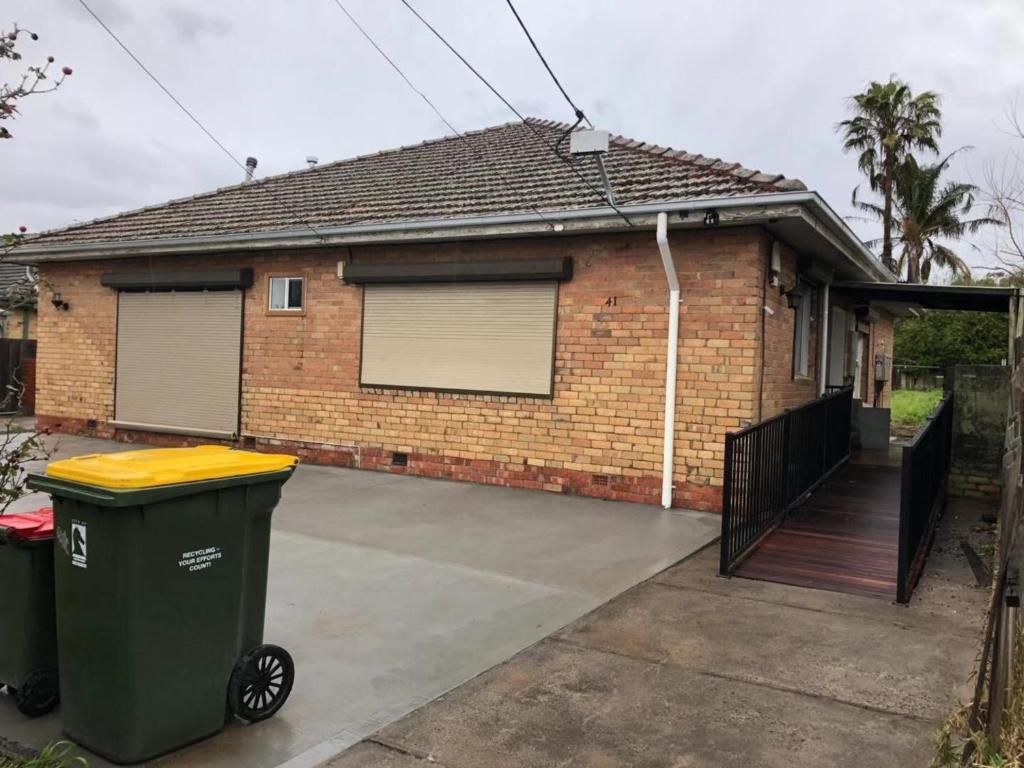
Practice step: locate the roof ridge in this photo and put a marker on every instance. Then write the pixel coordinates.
(737, 169)
(714, 163)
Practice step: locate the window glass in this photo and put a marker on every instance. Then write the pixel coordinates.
(802, 337)
(285, 293)
(295, 293)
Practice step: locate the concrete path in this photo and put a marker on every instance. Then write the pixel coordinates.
(390, 591)
(691, 670)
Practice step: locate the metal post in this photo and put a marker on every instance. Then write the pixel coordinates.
(725, 558)
(904, 557)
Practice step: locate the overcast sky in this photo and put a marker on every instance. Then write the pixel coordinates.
(760, 83)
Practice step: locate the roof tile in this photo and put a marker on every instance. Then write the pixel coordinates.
(492, 171)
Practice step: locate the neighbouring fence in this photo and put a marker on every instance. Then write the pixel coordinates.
(926, 461)
(982, 399)
(17, 373)
(772, 465)
(918, 377)
(995, 685)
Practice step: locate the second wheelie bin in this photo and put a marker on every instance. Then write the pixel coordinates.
(28, 632)
(161, 580)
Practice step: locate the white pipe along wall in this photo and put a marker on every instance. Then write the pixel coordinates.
(672, 361)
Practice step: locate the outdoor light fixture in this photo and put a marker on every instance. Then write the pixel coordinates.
(711, 218)
(793, 299)
(59, 303)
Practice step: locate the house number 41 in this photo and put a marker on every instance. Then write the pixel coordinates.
(611, 301)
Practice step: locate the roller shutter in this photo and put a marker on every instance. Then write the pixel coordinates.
(473, 337)
(178, 357)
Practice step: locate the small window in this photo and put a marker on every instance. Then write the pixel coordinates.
(287, 294)
(802, 335)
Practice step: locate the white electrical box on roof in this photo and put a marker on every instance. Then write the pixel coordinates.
(589, 142)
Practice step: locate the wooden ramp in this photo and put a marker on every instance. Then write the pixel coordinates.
(843, 538)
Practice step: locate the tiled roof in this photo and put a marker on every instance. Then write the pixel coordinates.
(499, 170)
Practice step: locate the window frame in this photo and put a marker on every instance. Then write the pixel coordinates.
(285, 311)
(802, 330)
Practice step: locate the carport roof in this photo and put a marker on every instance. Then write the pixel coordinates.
(969, 297)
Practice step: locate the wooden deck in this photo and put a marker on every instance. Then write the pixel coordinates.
(843, 538)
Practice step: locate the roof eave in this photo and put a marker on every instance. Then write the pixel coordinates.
(733, 210)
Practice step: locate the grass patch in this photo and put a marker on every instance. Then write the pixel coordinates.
(912, 407)
(52, 756)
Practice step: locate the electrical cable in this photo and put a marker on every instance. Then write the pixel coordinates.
(182, 107)
(578, 112)
(517, 113)
(511, 187)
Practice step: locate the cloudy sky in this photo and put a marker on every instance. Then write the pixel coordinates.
(761, 83)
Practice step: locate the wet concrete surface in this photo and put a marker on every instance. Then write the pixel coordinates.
(692, 670)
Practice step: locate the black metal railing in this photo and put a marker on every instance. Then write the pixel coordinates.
(926, 461)
(772, 465)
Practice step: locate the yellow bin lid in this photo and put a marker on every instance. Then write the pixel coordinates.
(166, 466)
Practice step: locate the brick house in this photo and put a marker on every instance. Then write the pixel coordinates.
(469, 308)
(18, 319)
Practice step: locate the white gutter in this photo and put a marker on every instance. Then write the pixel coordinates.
(824, 341)
(672, 361)
(549, 222)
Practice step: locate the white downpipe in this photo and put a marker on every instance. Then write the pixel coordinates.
(672, 364)
(824, 341)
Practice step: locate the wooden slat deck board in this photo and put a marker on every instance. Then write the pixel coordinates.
(844, 538)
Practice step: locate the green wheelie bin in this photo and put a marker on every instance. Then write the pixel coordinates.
(28, 631)
(161, 581)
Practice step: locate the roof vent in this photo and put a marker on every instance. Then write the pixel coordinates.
(312, 160)
(591, 142)
(250, 168)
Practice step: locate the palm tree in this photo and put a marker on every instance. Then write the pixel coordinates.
(888, 124)
(927, 211)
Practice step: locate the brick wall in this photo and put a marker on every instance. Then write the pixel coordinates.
(20, 323)
(600, 435)
(881, 340)
(75, 353)
(780, 388)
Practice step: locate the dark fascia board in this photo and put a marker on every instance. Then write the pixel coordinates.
(962, 297)
(182, 280)
(458, 271)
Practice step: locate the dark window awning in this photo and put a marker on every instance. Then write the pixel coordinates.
(974, 298)
(559, 268)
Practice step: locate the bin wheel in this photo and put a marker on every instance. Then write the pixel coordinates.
(260, 683)
(39, 694)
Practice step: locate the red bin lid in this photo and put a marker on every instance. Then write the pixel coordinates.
(28, 526)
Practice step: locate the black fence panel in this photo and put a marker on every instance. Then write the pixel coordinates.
(926, 461)
(772, 465)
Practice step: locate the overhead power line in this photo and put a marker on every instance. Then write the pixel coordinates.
(576, 110)
(181, 106)
(540, 136)
(434, 107)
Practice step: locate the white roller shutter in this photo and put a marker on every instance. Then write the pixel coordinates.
(475, 337)
(178, 357)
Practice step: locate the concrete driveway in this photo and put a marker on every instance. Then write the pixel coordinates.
(689, 670)
(391, 590)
